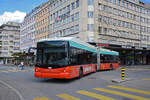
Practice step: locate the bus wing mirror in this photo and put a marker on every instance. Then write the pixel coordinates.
(31, 48)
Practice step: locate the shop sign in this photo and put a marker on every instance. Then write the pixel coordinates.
(126, 46)
(148, 48)
(139, 48)
(102, 44)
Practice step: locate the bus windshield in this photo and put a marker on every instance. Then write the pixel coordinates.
(52, 54)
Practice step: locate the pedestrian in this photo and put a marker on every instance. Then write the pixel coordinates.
(22, 65)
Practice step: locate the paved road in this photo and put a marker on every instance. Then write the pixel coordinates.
(91, 87)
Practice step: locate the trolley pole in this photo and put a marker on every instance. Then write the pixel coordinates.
(122, 73)
(98, 58)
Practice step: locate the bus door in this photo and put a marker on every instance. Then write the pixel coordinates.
(98, 58)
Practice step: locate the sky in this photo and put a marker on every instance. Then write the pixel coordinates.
(15, 10)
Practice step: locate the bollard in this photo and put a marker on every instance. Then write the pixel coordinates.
(122, 73)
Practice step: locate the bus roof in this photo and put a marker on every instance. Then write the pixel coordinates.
(107, 51)
(81, 44)
(73, 42)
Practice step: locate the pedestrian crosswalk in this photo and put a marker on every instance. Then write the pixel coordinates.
(41, 98)
(148, 79)
(129, 89)
(13, 70)
(67, 97)
(94, 95)
(102, 94)
(121, 94)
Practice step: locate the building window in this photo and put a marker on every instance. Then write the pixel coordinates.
(105, 30)
(90, 2)
(99, 18)
(77, 15)
(68, 8)
(72, 17)
(119, 2)
(77, 3)
(115, 11)
(77, 28)
(110, 20)
(100, 29)
(90, 27)
(115, 22)
(73, 5)
(105, 8)
(110, 10)
(119, 23)
(122, 3)
(114, 1)
(105, 19)
(72, 29)
(100, 6)
(110, 1)
(90, 14)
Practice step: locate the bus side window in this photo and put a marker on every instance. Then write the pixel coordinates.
(73, 56)
(102, 58)
(94, 58)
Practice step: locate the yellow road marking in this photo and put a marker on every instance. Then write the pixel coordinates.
(122, 94)
(22, 70)
(94, 95)
(136, 69)
(12, 70)
(4, 71)
(146, 79)
(41, 98)
(129, 89)
(67, 97)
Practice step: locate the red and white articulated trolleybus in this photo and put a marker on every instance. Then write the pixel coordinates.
(68, 58)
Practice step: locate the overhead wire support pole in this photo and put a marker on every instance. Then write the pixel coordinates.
(98, 57)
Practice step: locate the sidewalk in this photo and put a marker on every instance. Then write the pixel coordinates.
(16, 66)
(8, 93)
(136, 66)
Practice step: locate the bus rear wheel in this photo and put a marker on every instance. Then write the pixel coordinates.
(111, 67)
(80, 73)
(95, 69)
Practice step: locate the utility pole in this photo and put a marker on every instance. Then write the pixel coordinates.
(98, 57)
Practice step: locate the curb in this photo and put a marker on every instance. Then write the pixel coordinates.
(120, 80)
(13, 89)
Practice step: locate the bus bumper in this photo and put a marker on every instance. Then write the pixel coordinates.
(52, 75)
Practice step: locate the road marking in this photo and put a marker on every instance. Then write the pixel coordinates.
(137, 69)
(4, 71)
(12, 70)
(67, 97)
(22, 70)
(94, 95)
(129, 89)
(13, 89)
(146, 79)
(121, 94)
(41, 98)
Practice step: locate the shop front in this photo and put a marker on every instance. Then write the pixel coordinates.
(129, 55)
(132, 55)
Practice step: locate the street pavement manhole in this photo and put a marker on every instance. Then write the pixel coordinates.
(92, 78)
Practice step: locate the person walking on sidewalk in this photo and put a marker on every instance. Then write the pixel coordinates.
(22, 65)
